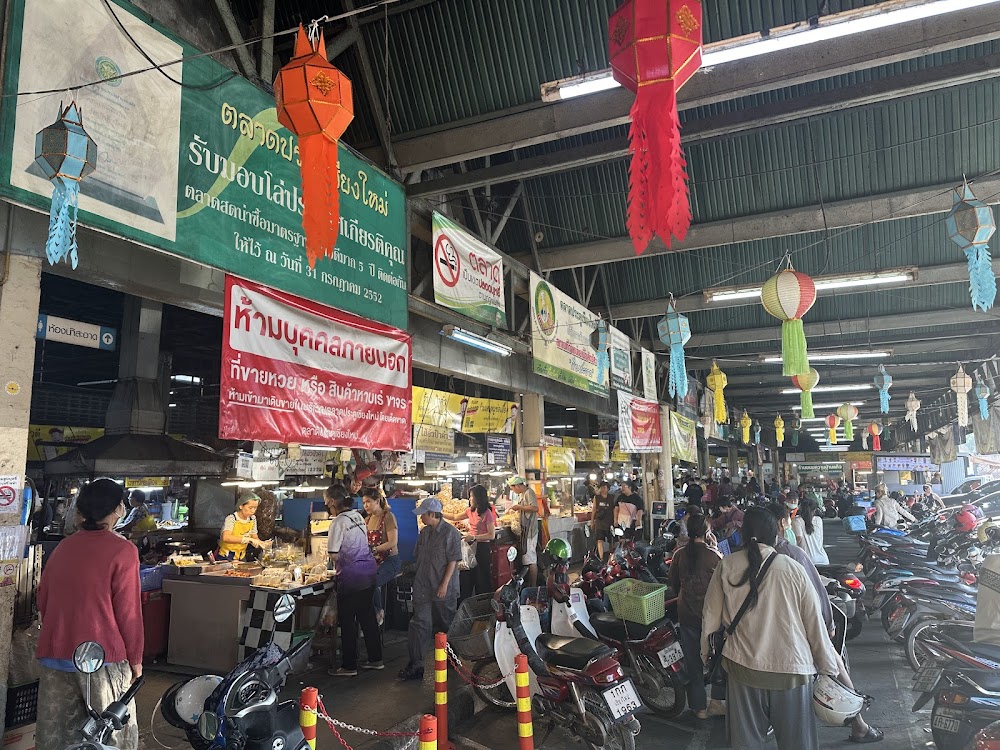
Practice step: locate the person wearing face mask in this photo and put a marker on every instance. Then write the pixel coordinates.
(89, 591)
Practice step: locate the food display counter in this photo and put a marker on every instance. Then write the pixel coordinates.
(257, 625)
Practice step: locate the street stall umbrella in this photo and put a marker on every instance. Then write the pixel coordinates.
(961, 384)
(745, 423)
(983, 393)
(675, 331)
(832, 422)
(883, 381)
(779, 430)
(970, 225)
(314, 101)
(848, 413)
(805, 383)
(66, 154)
(717, 381)
(875, 430)
(912, 407)
(655, 47)
(787, 296)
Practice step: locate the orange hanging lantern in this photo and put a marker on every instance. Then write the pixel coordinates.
(655, 47)
(875, 430)
(832, 423)
(314, 102)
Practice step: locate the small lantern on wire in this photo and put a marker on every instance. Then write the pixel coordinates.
(883, 381)
(66, 154)
(961, 384)
(779, 430)
(675, 331)
(912, 407)
(970, 225)
(599, 337)
(796, 427)
(717, 381)
(848, 413)
(315, 102)
(745, 424)
(805, 383)
(982, 394)
(875, 430)
(832, 423)
(756, 431)
(787, 296)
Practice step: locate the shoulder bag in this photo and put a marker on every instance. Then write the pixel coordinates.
(717, 640)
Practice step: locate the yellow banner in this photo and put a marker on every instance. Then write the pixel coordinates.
(619, 456)
(47, 441)
(433, 439)
(560, 462)
(463, 413)
(588, 449)
(683, 438)
(134, 482)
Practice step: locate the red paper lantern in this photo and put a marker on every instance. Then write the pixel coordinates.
(833, 422)
(875, 429)
(655, 47)
(314, 101)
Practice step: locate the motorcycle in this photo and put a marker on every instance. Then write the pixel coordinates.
(852, 592)
(576, 684)
(964, 703)
(88, 658)
(242, 710)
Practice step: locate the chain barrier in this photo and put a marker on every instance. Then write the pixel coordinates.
(335, 723)
(466, 674)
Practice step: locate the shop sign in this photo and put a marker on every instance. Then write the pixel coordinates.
(46, 441)
(683, 438)
(791, 457)
(468, 274)
(620, 349)
(561, 346)
(618, 456)
(433, 440)
(63, 330)
(203, 171)
(821, 467)
(294, 371)
(308, 464)
(588, 449)
(861, 465)
(132, 483)
(559, 462)
(648, 375)
(462, 413)
(906, 463)
(244, 465)
(10, 495)
(858, 456)
(638, 424)
(499, 450)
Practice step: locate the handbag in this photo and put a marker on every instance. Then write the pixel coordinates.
(717, 640)
(468, 556)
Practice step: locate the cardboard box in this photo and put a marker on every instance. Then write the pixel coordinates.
(22, 738)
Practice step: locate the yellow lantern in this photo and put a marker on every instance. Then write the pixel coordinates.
(717, 381)
(779, 430)
(745, 424)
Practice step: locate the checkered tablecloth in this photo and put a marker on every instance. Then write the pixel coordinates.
(257, 623)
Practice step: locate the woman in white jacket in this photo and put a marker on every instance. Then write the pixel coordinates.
(777, 648)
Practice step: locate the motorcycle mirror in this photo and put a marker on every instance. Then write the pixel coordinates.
(208, 725)
(511, 554)
(88, 657)
(284, 608)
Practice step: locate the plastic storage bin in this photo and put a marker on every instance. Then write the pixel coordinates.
(637, 601)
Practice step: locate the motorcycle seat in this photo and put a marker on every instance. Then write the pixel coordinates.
(608, 625)
(943, 588)
(984, 650)
(570, 653)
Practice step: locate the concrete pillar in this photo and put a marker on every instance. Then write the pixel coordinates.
(19, 288)
(532, 426)
(734, 463)
(666, 461)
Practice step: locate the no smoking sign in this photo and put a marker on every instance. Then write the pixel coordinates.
(10, 490)
(447, 264)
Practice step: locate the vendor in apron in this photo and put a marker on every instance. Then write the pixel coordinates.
(240, 529)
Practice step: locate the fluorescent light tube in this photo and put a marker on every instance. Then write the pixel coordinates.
(316, 448)
(476, 341)
(832, 388)
(823, 283)
(830, 406)
(833, 356)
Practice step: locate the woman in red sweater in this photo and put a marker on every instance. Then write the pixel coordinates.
(89, 592)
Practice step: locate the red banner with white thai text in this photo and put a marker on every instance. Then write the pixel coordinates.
(638, 424)
(294, 371)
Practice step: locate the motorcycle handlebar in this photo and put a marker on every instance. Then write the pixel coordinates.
(132, 690)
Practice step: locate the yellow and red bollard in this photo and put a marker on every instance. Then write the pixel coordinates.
(525, 733)
(308, 702)
(428, 732)
(441, 689)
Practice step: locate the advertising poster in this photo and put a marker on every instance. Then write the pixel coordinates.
(434, 441)
(559, 462)
(499, 450)
(638, 424)
(468, 274)
(621, 359)
(649, 375)
(683, 438)
(294, 371)
(588, 449)
(204, 170)
(561, 344)
(463, 413)
(47, 441)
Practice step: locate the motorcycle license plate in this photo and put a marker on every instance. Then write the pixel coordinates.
(670, 655)
(946, 724)
(622, 699)
(926, 679)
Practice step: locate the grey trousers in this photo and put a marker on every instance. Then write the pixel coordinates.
(750, 711)
(63, 712)
(429, 617)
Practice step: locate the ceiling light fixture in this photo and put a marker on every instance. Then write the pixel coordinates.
(323, 448)
(832, 388)
(823, 283)
(476, 341)
(560, 426)
(833, 356)
(829, 406)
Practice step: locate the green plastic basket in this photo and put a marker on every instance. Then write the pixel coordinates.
(637, 601)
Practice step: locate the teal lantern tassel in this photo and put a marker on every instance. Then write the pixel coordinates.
(883, 381)
(756, 432)
(983, 393)
(66, 154)
(675, 332)
(970, 225)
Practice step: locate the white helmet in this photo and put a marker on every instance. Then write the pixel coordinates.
(835, 703)
(189, 700)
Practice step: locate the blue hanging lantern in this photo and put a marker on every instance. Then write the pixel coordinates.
(756, 432)
(882, 381)
(970, 225)
(675, 331)
(66, 154)
(983, 393)
(599, 338)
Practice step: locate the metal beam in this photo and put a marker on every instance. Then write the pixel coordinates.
(835, 372)
(935, 199)
(341, 43)
(266, 63)
(848, 327)
(544, 122)
(778, 113)
(952, 273)
(244, 60)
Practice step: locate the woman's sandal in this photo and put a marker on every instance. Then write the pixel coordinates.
(872, 735)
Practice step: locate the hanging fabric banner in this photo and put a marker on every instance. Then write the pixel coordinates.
(649, 375)
(295, 371)
(463, 413)
(468, 274)
(683, 438)
(621, 359)
(638, 424)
